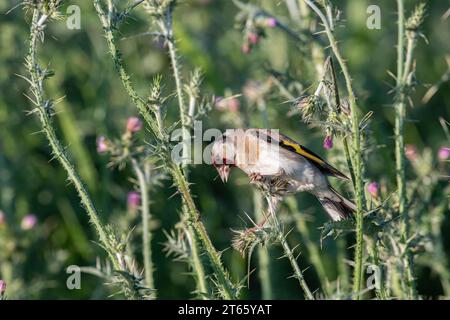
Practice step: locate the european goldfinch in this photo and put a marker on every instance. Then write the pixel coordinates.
(279, 165)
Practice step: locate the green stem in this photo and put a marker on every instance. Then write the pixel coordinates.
(168, 32)
(146, 234)
(356, 154)
(228, 291)
(313, 250)
(404, 65)
(298, 273)
(227, 288)
(36, 81)
(197, 265)
(400, 113)
(166, 27)
(264, 270)
(282, 238)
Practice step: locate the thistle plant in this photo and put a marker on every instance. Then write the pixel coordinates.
(356, 151)
(245, 241)
(167, 226)
(127, 151)
(151, 112)
(404, 84)
(43, 107)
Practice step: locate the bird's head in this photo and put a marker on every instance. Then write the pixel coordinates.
(223, 156)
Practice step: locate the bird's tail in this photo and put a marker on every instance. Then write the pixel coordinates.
(337, 207)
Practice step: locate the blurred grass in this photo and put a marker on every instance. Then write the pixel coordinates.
(96, 104)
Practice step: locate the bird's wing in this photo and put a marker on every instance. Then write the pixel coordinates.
(290, 145)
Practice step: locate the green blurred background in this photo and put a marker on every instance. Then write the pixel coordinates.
(34, 262)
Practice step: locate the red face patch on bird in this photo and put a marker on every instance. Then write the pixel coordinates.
(224, 171)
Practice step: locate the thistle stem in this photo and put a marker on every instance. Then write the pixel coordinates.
(227, 289)
(282, 238)
(313, 250)
(197, 265)
(36, 82)
(298, 273)
(404, 65)
(264, 270)
(166, 27)
(356, 152)
(146, 234)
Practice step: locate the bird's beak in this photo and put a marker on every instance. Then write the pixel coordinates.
(224, 172)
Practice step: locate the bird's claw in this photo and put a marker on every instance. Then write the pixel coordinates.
(256, 177)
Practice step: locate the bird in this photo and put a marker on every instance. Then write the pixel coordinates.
(279, 166)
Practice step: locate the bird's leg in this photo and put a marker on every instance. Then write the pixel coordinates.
(255, 177)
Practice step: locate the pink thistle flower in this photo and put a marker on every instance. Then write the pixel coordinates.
(28, 222)
(220, 103)
(444, 153)
(411, 152)
(227, 104)
(253, 38)
(2, 218)
(134, 124)
(246, 49)
(234, 105)
(102, 145)
(271, 22)
(2, 287)
(328, 142)
(133, 200)
(373, 189)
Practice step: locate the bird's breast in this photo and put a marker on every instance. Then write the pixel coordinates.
(299, 172)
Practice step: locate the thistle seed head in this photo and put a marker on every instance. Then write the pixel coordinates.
(308, 107)
(415, 21)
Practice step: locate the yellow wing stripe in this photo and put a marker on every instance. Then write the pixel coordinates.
(302, 152)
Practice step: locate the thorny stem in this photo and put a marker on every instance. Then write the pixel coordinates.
(36, 81)
(287, 250)
(313, 249)
(197, 265)
(403, 71)
(264, 263)
(298, 273)
(166, 27)
(214, 256)
(146, 234)
(176, 69)
(356, 152)
(228, 290)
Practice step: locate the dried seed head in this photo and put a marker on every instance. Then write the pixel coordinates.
(244, 240)
(308, 107)
(415, 21)
(345, 107)
(158, 8)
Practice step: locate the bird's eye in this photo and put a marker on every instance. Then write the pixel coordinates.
(227, 161)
